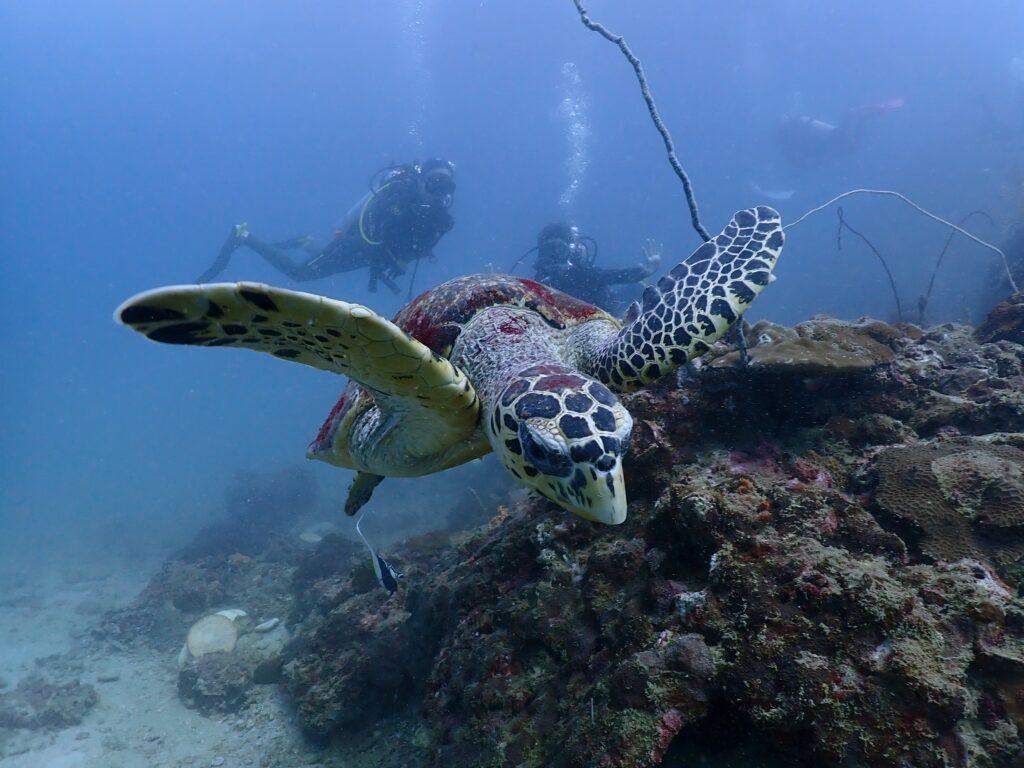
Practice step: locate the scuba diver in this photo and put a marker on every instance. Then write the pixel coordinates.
(399, 221)
(565, 260)
(807, 141)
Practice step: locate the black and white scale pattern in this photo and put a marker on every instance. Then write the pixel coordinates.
(694, 305)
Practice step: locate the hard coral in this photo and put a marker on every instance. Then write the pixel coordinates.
(963, 497)
(821, 347)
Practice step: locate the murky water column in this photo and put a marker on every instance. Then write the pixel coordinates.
(572, 110)
(413, 35)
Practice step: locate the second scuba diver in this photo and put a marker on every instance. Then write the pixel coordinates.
(399, 221)
(565, 260)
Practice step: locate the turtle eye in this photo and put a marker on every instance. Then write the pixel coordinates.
(541, 454)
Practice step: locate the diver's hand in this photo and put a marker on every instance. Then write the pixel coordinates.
(397, 266)
(652, 255)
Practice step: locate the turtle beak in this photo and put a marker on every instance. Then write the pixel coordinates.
(607, 497)
(602, 499)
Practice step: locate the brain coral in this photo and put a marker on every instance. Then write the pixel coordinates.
(965, 497)
(818, 347)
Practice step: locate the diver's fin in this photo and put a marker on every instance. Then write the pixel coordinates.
(236, 237)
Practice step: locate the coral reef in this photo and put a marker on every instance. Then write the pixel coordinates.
(961, 498)
(822, 347)
(996, 287)
(823, 558)
(215, 682)
(1004, 323)
(38, 703)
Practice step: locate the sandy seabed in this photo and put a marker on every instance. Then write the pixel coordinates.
(46, 614)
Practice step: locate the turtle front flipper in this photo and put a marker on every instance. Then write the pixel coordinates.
(426, 410)
(690, 308)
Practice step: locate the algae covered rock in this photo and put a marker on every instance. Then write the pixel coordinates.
(224, 654)
(818, 568)
(36, 703)
(215, 682)
(751, 600)
(1004, 323)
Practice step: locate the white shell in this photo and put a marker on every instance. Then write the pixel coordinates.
(233, 614)
(210, 634)
(267, 625)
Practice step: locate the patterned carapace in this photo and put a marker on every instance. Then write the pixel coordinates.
(485, 362)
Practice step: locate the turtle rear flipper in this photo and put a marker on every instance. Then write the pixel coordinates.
(691, 307)
(360, 490)
(428, 410)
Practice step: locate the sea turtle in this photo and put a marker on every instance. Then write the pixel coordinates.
(484, 362)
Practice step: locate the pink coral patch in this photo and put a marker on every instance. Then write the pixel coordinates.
(669, 726)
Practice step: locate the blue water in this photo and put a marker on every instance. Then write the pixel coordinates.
(133, 135)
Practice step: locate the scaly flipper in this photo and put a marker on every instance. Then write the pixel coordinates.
(426, 405)
(691, 307)
(360, 490)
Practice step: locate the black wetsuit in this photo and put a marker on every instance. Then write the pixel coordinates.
(587, 282)
(389, 229)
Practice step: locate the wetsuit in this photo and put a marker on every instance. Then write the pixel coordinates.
(588, 282)
(387, 230)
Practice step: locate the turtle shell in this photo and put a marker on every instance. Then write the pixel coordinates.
(436, 317)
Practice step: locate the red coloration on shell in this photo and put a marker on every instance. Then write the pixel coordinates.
(514, 390)
(546, 369)
(562, 303)
(558, 383)
(513, 327)
(334, 416)
(436, 317)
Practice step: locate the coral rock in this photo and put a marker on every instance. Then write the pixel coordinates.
(1004, 323)
(37, 703)
(215, 682)
(962, 498)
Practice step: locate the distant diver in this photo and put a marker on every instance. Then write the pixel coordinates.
(386, 575)
(778, 194)
(565, 260)
(808, 141)
(399, 221)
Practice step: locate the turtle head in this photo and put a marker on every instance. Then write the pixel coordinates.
(564, 435)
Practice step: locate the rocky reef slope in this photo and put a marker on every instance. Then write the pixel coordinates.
(823, 558)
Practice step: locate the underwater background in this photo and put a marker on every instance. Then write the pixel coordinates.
(134, 135)
(137, 134)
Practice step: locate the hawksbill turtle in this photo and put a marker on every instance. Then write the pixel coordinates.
(484, 363)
